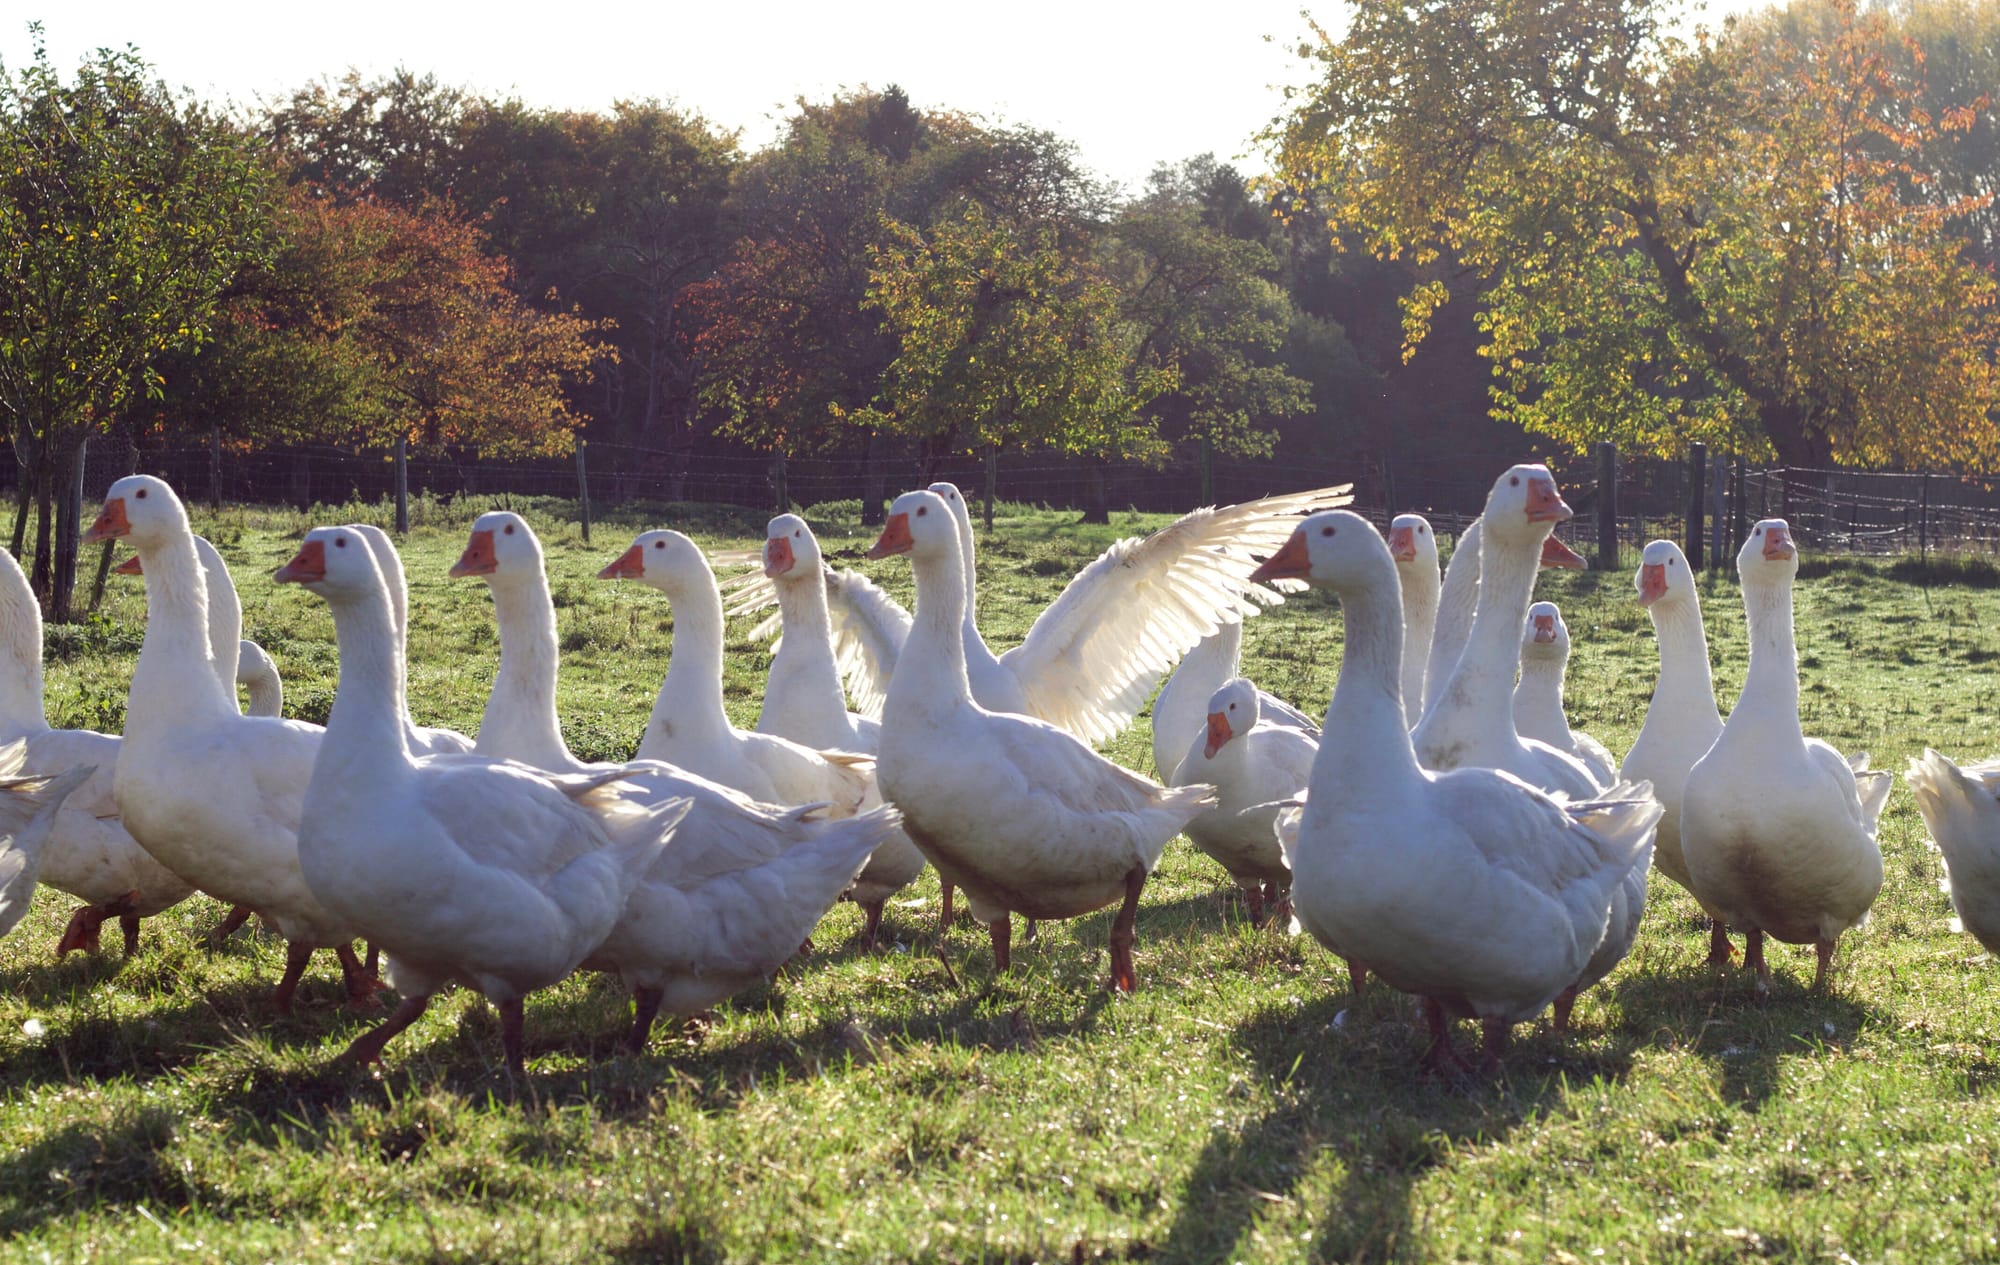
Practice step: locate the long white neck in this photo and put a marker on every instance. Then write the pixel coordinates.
(1771, 686)
(1419, 586)
(1453, 621)
(364, 733)
(970, 554)
(225, 614)
(1686, 679)
(520, 720)
(1538, 702)
(1483, 684)
(20, 653)
(1365, 750)
(174, 680)
(930, 672)
(804, 667)
(689, 707)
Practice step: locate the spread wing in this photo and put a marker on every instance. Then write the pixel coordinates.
(1094, 657)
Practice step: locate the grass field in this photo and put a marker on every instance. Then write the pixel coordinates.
(907, 1104)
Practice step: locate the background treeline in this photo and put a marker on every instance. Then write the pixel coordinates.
(1490, 221)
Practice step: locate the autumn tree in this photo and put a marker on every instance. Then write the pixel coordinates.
(125, 214)
(1679, 238)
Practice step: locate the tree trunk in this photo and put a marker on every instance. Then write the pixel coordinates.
(44, 525)
(872, 481)
(1097, 502)
(69, 529)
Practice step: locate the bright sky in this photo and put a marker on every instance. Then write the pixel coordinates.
(1132, 84)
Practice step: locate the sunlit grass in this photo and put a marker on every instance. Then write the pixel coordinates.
(909, 1105)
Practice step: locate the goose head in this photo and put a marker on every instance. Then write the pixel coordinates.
(920, 524)
(955, 500)
(1663, 574)
(501, 544)
(666, 560)
(790, 548)
(1335, 549)
(1768, 555)
(1232, 711)
(140, 509)
(1412, 544)
(334, 562)
(1523, 506)
(1545, 637)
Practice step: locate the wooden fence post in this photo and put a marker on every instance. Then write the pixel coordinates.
(402, 485)
(1924, 519)
(215, 469)
(1607, 506)
(583, 490)
(992, 481)
(1697, 490)
(1739, 512)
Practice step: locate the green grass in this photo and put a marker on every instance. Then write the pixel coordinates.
(910, 1105)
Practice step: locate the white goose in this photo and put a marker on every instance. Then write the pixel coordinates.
(1415, 549)
(258, 675)
(1458, 601)
(744, 883)
(480, 872)
(89, 854)
(1018, 812)
(1482, 895)
(1256, 768)
(1538, 697)
(1778, 830)
(1961, 809)
(1092, 658)
(213, 794)
(1182, 702)
(28, 808)
(423, 739)
(225, 611)
(689, 728)
(803, 700)
(1472, 721)
(1682, 722)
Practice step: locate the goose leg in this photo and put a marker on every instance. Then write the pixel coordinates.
(1719, 948)
(1123, 977)
(1440, 1059)
(1494, 1044)
(944, 916)
(297, 954)
(645, 1007)
(1753, 957)
(367, 1048)
(1825, 951)
(85, 923)
(1357, 976)
(512, 1019)
(1565, 1002)
(1001, 929)
(236, 917)
(374, 963)
(361, 982)
(128, 923)
(1254, 898)
(872, 912)
(1028, 930)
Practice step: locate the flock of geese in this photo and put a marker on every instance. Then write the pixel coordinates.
(1445, 829)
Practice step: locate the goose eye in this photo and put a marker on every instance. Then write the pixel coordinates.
(1326, 531)
(508, 530)
(923, 510)
(1758, 532)
(1423, 531)
(340, 542)
(1514, 482)
(795, 536)
(659, 544)
(1670, 562)
(141, 494)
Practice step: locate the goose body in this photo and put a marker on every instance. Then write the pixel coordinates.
(1479, 893)
(1257, 768)
(1178, 709)
(1961, 809)
(88, 852)
(1471, 722)
(745, 881)
(1538, 696)
(1018, 812)
(214, 795)
(1778, 830)
(28, 807)
(463, 869)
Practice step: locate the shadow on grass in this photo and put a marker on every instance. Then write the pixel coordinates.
(90, 1162)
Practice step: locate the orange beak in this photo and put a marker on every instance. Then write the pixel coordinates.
(1778, 544)
(630, 565)
(1218, 734)
(478, 558)
(129, 567)
(895, 537)
(1545, 630)
(778, 557)
(1291, 562)
(1403, 544)
(1652, 583)
(1557, 554)
(307, 565)
(1545, 504)
(110, 524)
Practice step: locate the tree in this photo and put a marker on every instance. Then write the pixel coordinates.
(124, 216)
(1679, 240)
